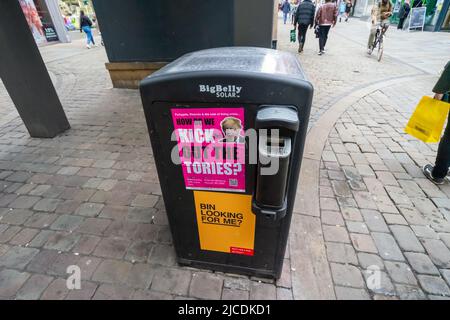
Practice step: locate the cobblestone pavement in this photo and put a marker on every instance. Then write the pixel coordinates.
(380, 217)
(91, 197)
(378, 211)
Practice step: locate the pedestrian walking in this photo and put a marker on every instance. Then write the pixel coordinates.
(326, 18)
(342, 6)
(403, 14)
(304, 18)
(286, 8)
(85, 25)
(438, 172)
(348, 8)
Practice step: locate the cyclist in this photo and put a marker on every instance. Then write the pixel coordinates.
(380, 16)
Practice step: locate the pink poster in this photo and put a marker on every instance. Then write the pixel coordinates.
(33, 19)
(211, 146)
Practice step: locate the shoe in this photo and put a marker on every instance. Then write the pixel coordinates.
(427, 171)
(300, 47)
(369, 51)
(88, 46)
(320, 53)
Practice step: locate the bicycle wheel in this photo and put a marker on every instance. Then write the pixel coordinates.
(380, 50)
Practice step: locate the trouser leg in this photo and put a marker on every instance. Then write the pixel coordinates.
(325, 35)
(92, 37)
(302, 29)
(89, 37)
(88, 40)
(320, 38)
(443, 155)
(373, 31)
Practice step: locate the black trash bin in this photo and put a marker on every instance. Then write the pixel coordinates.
(227, 128)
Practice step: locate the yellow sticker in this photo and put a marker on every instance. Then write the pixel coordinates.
(225, 222)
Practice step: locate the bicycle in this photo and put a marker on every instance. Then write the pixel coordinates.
(379, 40)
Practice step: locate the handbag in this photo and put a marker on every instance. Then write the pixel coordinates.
(316, 31)
(427, 121)
(293, 35)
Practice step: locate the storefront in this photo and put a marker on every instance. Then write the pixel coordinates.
(71, 9)
(362, 8)
(45, 20)
(437, 14)
(441, 17)
(437, 17)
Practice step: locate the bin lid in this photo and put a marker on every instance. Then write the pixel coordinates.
(239, 60)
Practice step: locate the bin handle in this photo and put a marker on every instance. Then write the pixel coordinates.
(271, 213)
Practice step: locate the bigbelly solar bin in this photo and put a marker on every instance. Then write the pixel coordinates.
(227, 127)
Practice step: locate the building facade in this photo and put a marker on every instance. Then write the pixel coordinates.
(437, 17)
(45, 20)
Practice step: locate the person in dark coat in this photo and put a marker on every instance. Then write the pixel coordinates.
(326, 18)
(438, 172)
(403, 14)
(304, 17)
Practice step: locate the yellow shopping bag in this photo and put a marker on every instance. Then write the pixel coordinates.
(428, 119)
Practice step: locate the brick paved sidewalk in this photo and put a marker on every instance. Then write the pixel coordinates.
(91, 197)
(378, 211)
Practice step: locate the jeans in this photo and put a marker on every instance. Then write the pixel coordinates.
(323, 36)
(89, 37)
(285, 14)
(443, 155)
(302, 29)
